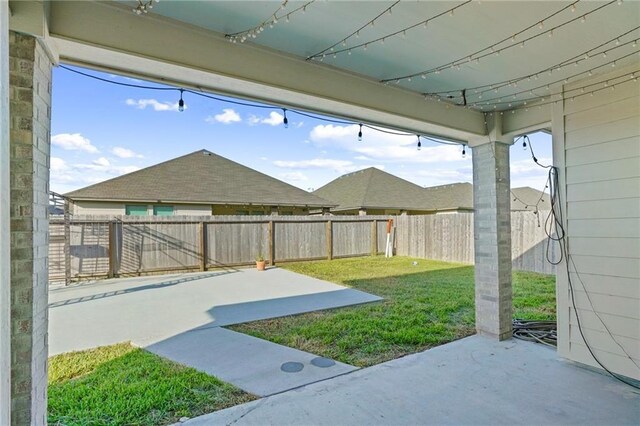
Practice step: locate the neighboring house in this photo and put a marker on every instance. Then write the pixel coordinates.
(375, 192)
(200, 183)
(458, 197)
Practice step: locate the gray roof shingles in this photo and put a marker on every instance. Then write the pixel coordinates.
(199, 177)
(373, 188)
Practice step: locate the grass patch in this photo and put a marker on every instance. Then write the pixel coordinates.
(124, 385)
(425, 305)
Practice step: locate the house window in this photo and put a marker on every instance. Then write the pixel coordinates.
(135, 210)
(163, 210)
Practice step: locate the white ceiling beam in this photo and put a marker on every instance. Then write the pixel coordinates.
(109, 36)
(522, 121)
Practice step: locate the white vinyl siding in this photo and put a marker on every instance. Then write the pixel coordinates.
(597, 145)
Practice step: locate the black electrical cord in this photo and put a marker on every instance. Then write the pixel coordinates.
(561, 237)
(201, 93)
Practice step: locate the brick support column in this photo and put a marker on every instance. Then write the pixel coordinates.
(30, 115)
(492, 239)
(5, 246)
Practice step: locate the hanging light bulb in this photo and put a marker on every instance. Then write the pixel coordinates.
(181, 102)
(524, 143)
(360, 133)
(285, 120)
(573, 7)
(464, 152)
(419, 143)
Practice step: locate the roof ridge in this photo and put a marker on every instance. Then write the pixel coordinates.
(127, 175)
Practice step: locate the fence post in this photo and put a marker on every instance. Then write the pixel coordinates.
(374, 237)
(271, 243)
(112, 249)
(203, 246)
(329, 238)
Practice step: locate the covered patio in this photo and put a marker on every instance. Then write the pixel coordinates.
(474, 73)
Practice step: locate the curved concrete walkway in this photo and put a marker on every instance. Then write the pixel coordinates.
(180, 317)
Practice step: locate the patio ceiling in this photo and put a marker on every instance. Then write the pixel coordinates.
(505, 55)
(448, 36)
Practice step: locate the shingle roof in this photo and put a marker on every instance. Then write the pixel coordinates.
(452, 196)
(374, 189)
(199, 177)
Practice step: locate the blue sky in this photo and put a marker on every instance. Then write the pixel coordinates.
(100, 131)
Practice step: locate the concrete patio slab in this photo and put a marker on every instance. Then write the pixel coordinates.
(252, 364)
(471, 381)
(146, 310)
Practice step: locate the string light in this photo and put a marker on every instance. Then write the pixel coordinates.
(419, 143)
(400, 32)
(285, 120)
(254, 32)
(464, 152)
(144, 6)
(632, 75)
(181, 101)
(530, 90)
(253, 105)
(482, 53)
(356, 33)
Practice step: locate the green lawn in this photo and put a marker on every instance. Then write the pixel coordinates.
(124, 385)
(425, 305)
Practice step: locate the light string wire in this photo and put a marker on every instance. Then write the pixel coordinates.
(477, 55)
(382, 39)
(201, 93)
(355, 33)
(584, 56)
(555, 220)
(488, 102)
(270, 22)
(627, 78)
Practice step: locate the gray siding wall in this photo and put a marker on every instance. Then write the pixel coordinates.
(597, 148)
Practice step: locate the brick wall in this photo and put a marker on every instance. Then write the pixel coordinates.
(30, 115)
(492, 235)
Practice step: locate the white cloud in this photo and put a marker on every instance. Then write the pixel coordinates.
(275, 119)
(66, 177)
(528, 173)
(102, 162)
(293, 176)
(316, 163)
(154, 103)
(73, 142)
(382, 146)
(339, 166)
(121, 152)
(227, 116)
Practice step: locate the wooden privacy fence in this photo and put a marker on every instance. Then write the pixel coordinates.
(108, 247)
(449, 237)
(99, 246)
